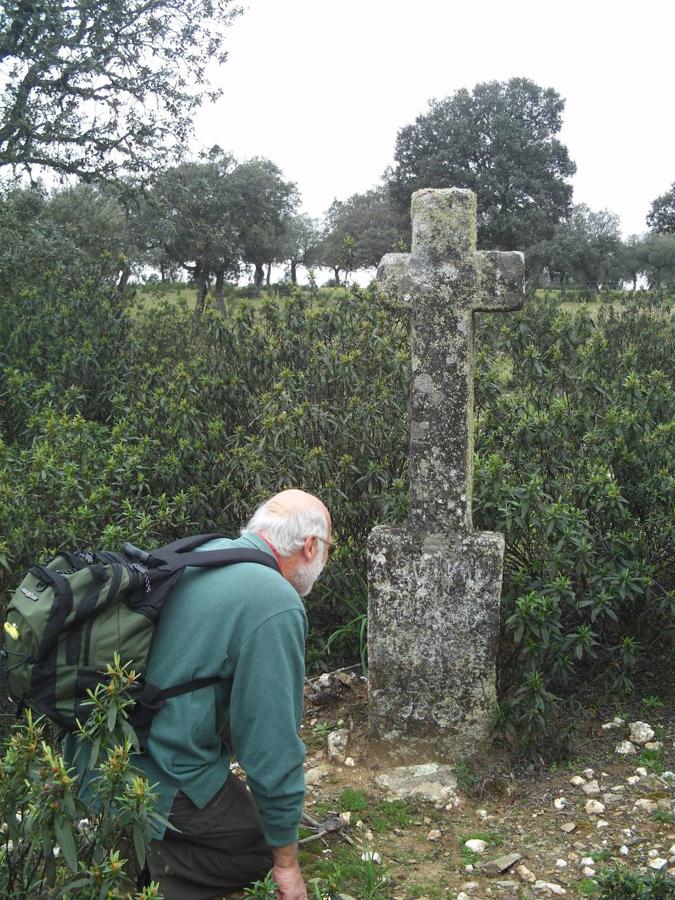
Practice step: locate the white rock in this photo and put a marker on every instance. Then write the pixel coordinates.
(640, 732)
(591, 789)
(434, 835)
(371, 856)
(430, 782)
(625, 748)
(469, 886)
(633, 779)
(623, 850)
(577, 780)
(668, 775)
(588, 773)
(560, 803)
(463, 896)
(346, 817)
(561, 863)
(652, 854)
(314, 776)
(587, 861)
(602, 823)
(475, 845)
(468, 867)
(525, 875)
(607, 726)
(337, 744)
(641, 771)
(654, 745)
(645, 805)
(483, 813)
(671, 852)
(657, 863)
(594, 807)
(547, 887)
(588, 871)
(618, 789)
(568, 827)
(349, 762)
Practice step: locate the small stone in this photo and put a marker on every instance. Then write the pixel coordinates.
(587, 861)
(594, 807)
(469, 886)
(618, 721)
(607, 726)
(468, 867)
(654, 745)
(652, 854)
(568, 827)
(641, 771)
(507, 885)
(602, 823)
(313, 776)
(525, 875)
(337, 744)
(645, 805)
(618, 789)
(623, 850)
(588, 871)
(346, 817)
(668, 775)
(625, 747)
(434, 835)
(657, 863)
(591, 789)
(577, 780)
(640, 732)
(463, 896)
(547, 887)
(349, 762)
(588, 773)
(483, 813)
(671, 852)
(663, 803)
(475, 845)
(560, 803)
(371, 856)
(495, 867)
(561, 863)
(633, 779)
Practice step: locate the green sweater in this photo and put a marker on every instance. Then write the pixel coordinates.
(246, 624)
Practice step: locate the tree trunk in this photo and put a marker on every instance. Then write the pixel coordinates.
(124, 280)
(162, 273)
(294, 272)
(259, 276)
(220, 291)
(336, 269)
(269, 274)
(202, 288)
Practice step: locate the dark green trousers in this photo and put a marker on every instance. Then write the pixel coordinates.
(217, 849)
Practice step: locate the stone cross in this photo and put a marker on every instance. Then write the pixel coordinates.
(434, 584)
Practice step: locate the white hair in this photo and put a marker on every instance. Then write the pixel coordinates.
(287, 533)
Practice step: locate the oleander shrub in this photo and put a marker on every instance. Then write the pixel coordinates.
(120, 422)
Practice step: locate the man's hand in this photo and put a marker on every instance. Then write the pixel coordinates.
(287, 874)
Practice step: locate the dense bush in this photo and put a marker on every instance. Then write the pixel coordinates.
(124, 423)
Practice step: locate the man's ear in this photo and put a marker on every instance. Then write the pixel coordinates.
(308, 546)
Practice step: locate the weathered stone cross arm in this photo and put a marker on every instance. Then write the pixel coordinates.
(445, 280)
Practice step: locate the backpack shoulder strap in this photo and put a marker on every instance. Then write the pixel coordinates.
(211, 559)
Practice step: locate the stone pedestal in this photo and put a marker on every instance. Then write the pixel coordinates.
(432, 638)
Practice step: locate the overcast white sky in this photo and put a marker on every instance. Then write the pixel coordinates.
(321, 87)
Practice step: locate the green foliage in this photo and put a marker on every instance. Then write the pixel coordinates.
(619, 883)
(661, 217)
(353, 801)
(124, 423)
(262, 890)
(500, 140)
(41, 804)
(95, 89)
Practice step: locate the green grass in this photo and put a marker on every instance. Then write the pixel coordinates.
(353, 801)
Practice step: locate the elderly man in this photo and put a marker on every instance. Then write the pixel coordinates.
(246, 624)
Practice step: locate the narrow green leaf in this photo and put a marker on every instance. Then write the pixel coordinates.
(66, 839)
(139, 844)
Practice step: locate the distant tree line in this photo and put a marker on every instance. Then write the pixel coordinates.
(105, 97)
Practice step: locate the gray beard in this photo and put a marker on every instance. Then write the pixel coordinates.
(305, 575)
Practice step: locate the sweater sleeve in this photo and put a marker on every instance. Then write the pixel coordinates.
(266, 707)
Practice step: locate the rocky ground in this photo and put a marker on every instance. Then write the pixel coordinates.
(478, 829)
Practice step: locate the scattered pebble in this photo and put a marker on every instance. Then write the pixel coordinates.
(591, 788)
(525, 875)
(588, 773)
(594, 807)
(602, 823)
(657, 863)
(560, 803)
(371, 856)
(588, 871)
(475, 845)
(647, 806)
(547, 887)
(633, 779)
(641, 771)
(654, 745)
(640, 732)
(568, 827)
(623, 850)
(625, 747)
(577, 780)
(349, 762)
(434, 835)
(587, 861)
(561, 863)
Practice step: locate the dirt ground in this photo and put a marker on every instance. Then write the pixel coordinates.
(534, 811)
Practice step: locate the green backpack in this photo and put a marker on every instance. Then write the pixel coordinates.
(68, 618)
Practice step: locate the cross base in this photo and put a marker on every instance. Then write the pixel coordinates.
(433, 626)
